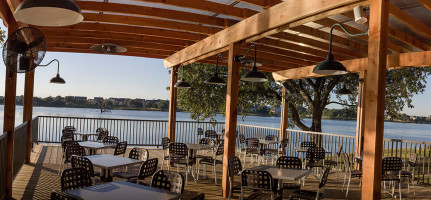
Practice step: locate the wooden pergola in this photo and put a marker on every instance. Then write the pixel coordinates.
(291, 37)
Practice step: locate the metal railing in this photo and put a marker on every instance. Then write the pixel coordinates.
(19, 147)
(3, 163)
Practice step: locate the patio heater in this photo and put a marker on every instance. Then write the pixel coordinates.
(182, 83)
(215, 79)
(330, 66)
(253, 75)
(48, 12)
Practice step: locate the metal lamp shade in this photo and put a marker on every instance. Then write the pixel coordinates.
(49, 12)
(254, 76)
(215, 79)
(182, 84)
(330, 67)
(57, 79)
(344, 91)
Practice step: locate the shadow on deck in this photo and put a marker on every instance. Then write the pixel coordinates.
(37, 180)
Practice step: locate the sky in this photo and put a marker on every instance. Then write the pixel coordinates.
(95, 75)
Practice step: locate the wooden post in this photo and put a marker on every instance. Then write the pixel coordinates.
(9, 116)
(231, 114)
(172, 104)
(284, 115)
(360, 118)
(28, 109)
(374, 100)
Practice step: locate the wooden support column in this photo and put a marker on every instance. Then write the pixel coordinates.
(359, 146)
(172, 104)
(231, 113)
(284, 115)
(28, 109)
(375, 99)
(9, 116)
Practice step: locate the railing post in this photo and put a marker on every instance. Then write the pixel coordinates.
(231, 114)
(359, 145)
(284, 115)
(375, 99)
(9, 115)
(172, 104)
(28, 110)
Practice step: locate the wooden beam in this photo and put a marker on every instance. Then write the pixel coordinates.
(271, 19)
(410, 20)
(231, 114)
(129, 49)
(9, 116)
(426, 3)
(5, 13)
(208, 6)
(284, 115)
(28, 110)
(70, 50)
(172, 104)
(394, 61)
(375, 100)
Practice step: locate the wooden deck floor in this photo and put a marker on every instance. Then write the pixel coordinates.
(37, 180)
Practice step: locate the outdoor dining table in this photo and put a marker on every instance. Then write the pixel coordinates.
(121, 190)
(193, 148)
(109, 162)
(93, 146)
(304, 150)
(84, 135)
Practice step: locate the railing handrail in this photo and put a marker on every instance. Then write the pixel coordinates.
(319, 133)
(97, 118)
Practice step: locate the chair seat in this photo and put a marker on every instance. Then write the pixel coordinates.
(252, 151)
(390, 177)
(305, 194)
(331, 163)
(262, 196)
(210, 161)
(96, 173)
(403, 173)
(315, 164)
(355, 173)
(291, 186)
(183, 161)
(125, 174)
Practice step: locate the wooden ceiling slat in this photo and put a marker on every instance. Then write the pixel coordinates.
(150, 22)
(70, 50)
(208, 6)
(409, 20)
(426, 3)
(288, 53)
(129, 49)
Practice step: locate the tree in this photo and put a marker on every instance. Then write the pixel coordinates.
(204, 101)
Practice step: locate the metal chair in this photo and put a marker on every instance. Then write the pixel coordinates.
(389, 165)
(67, 136)
(110, 140)
(75, 178)
(72, 150)
(83, 162)
(147, 169)
(241, 139)
(308, 144)
(319, 194)
(234, 167)
(201, 196)
(120, 149)
(212, 134)
(139, 154)
(200, 132)
(409, 174)
(260, 181)
(335, 162)
(72, 128)
(351, 173)
(212, 161)
(55, 195)
(165, 147)
(252, 147)
(289, 163)
(283, 146)
(179, 155)
(168, 180)
(272, 150)
(102, 133)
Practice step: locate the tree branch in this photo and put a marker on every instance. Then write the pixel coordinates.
(343, 104)
(295, 117)
(304, 94)
(332, 83)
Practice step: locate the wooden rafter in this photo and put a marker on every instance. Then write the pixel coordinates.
(410, 20)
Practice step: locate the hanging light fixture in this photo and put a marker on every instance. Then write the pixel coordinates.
(344, 90)
(215, 79)
(330, 66)
(48, 12)
(253, 75)
(57, 78)
(182, 83)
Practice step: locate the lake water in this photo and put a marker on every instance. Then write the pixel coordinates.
(393, 130)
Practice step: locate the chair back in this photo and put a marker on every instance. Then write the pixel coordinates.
(67, 136)
(168, 180)
(315, 153)
(102, 134)
(283, 146)
(287, 162)
(137, 153)
(110, 140)
(271, 138)
(207, 141)
(83, 162)
(148, 168)
(252, 143)
(256, 180)
(61, 196)
(120, 149)
(339, 150)
(74, 150)
(390, 164)
(308, 144)
(72, 128)
(201, 196)
(211, 134)
(200, 131)
(179, 149)
(413, 159)
(234, 165)
(346, 162)
(75, 178)
(324, 178)
(165, 143)
(220, 149)
(242, 138)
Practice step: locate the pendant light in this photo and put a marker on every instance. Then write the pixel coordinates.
(48, 12)
(57, 79)
(253, 75)
(215, 79)
(344, 90)
(330, 66)
(182, 83)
